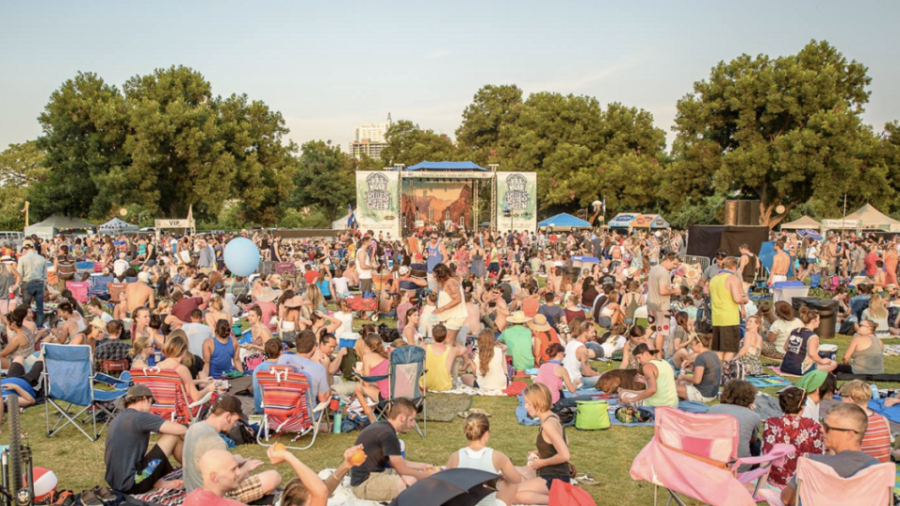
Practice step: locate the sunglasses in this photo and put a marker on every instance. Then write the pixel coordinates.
(829, 428)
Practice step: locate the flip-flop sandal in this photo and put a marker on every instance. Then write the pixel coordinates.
(585, 479)
(106, 495)
(89, 498)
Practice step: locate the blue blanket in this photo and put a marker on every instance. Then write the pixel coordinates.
(768, 381)
(892, 413)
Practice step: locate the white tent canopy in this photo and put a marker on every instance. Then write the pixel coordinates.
(803, 223)
(49, 227)
(871, 218)
(116, 225)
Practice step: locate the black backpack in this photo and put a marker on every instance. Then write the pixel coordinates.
(703, 325)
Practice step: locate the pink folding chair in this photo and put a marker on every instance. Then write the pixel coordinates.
(818, 484)
(696, 455)
(79, 290)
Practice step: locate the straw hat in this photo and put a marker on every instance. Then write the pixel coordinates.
(539, 324)
(294, 302)
(518, 317)
(98, 322)
(268, 294)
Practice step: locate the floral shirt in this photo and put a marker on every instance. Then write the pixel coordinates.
(804, 434)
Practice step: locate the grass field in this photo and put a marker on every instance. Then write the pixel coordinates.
(607, 455)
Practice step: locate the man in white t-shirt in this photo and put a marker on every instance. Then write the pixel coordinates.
(120, 266)
(196, 332)
(363, 265)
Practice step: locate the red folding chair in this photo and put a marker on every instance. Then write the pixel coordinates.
(288, 406)
(171, 400)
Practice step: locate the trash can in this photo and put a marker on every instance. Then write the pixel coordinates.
(827, 309)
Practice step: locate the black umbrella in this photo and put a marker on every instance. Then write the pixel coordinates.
(453, 487)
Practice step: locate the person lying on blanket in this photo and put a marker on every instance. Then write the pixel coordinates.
(204, 437)
(17, 381)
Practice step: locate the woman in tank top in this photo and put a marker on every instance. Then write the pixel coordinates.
(865, 354)
(220, 354)
(551, 460)
(477, 455)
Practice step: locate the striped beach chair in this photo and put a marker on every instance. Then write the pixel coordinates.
(170, 398)
(288, 406)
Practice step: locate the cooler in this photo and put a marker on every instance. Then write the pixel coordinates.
(828, 351)
(787, 290)
(827, 309)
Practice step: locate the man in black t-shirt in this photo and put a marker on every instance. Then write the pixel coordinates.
(130, 468)
(372, 480)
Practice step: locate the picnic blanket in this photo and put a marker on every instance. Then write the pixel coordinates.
(768, 381)
(892, 413)
(167, 497)
(689, 406)
(777, 370)
(467, 390)
(892, 349)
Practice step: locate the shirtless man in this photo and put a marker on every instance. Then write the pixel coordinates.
(72, 330)
(780, 264)
(139, 293)
(495, 310)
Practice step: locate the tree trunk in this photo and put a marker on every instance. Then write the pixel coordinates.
(766, 212)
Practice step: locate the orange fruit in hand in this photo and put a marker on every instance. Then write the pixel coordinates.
(278, 447)
(358, 458)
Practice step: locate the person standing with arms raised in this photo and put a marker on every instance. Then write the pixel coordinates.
(727, 296)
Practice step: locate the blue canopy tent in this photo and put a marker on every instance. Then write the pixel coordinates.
(564, 221)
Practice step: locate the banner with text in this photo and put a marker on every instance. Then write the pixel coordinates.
(516, 201)
(378, 201)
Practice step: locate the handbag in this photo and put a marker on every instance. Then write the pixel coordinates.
(592, 415)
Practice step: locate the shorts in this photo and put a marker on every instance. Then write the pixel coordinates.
(662, 321)
(454, 323)
(726, 339)
(596, 348)
(365, 285)
(694, 395)
(247, 491)
(383, 487)
(549, 480)
(152, 468)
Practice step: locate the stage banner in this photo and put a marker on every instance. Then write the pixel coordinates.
(377, 201)
(516, 201)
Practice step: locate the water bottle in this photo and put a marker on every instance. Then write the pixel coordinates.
(874, 391)
(337, 422)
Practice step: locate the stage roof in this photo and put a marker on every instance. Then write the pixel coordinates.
(446, 166)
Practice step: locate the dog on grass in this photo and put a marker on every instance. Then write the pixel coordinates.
(611, 381)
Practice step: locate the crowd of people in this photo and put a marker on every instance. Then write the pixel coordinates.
(484, 307)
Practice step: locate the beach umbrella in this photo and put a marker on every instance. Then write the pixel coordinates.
(453, 487)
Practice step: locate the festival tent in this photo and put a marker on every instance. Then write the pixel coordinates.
(873, 219)
(623, 220)
(116, 225)
(564, 221)
(651, 221)
(803, 223)
(49, 227)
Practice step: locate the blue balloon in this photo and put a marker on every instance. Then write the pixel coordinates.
(241, 256)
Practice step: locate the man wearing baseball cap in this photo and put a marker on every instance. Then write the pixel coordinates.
(130, 468)
(33, 274)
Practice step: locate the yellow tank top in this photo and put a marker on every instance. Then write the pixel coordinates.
(725, 311)
(666, 394)
(437, 377)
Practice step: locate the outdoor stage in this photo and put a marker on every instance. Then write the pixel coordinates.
(444, 196)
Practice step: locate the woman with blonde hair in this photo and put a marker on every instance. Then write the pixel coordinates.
(477, 455)
(141, 348)
(551, 460)
(316, 301)
(215, 311)
(179, 359)
(878, 313)
(490, 364)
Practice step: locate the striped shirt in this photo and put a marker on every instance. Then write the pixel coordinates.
(877, 441)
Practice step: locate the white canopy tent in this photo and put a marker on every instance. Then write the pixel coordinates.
(52, 225)
(116, 225)
(804, 223)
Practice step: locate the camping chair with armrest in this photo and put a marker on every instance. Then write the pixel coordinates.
(79, 290)
(69, 380)
(288, 406)
(819, 485)
(169, 395)
(114, 290)
(100, 286)
(405, 373)
(696, 455)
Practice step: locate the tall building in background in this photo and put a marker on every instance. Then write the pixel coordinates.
(370, 139)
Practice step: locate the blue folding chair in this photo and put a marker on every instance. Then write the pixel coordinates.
(69, 380)
(407, 368)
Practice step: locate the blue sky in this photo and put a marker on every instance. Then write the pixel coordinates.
(330, 66)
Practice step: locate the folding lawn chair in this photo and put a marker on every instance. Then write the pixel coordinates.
(171, 400)
(820, 485)
(696, 455)
(114, 290)
(79, 290)
(407, 368)
(69, 379)
(288, 406)
(100, 286)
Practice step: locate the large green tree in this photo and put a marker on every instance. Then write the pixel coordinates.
(325, 179)
(785, 130)
(491, 110)
(21, 167)
(85, 127)
(408, 144)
